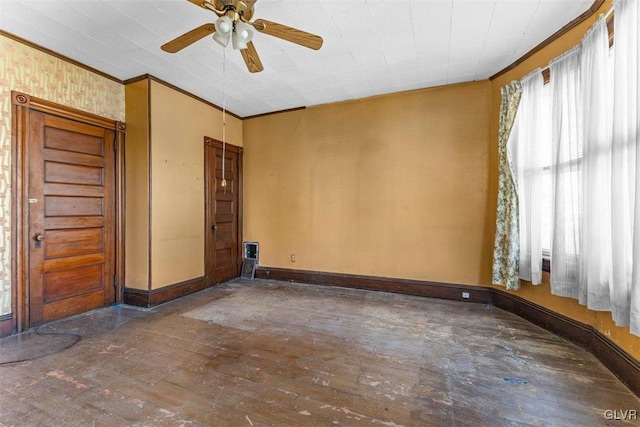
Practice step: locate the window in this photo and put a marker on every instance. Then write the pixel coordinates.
(588, 139)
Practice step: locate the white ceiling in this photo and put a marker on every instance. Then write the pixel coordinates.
(371, 47)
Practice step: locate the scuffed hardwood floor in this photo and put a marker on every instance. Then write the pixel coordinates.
(254, 353)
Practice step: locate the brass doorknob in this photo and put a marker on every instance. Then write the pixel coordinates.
(39, 237)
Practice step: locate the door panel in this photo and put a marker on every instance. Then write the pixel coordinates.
(65, 283)
(223, 249)
(57, 206)
(88, 142)
(69, 242)
(72, 174)
(71, 217)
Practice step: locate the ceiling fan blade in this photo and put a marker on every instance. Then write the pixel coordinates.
(244, 5)
(251, 58)
(186, 39)
(290, 34)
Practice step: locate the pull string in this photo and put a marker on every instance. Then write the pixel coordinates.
(224, 118)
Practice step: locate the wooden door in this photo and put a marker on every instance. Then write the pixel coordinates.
(223, 226)
(71, 218)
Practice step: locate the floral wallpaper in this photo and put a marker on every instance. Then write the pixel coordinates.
(28, 70)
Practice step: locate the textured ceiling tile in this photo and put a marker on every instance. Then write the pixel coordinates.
(434, 73)
(342, 63)
(493, 63)
(357, 25)
(511, 17)
(130, 8)
(370, 59)
(103, 11)
(470, 23)
(273, 11)
(351, 76)
(431, 18)
(303, 12)
(333, 48)
(390, 14)
(434, 60)
(413, 75)
(467, 68)
(322, 26)
(394, 56)
(464, 54)
(136, 33)
(501, 46)
(160, 24)
(321, 81)
(281, 62)
(403, 66)
(358, 87)
(370, 46)
(293, 76)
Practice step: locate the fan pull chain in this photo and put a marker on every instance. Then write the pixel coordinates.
(224, 118)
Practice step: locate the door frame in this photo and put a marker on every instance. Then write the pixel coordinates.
(21, 106)
(209, 268)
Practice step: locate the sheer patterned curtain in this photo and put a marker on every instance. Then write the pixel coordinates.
(525, 147)
(595, 231)
(567, 142)
(596, 172)
(506, 246)
(625, 182)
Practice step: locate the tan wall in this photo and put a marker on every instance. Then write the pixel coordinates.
(38, 74)
(542, 294)
(392, 186)
(179, 124)
(137, 212)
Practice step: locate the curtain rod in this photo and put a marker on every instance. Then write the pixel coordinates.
(607, 17)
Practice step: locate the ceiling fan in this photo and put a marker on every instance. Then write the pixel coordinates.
(234, 24)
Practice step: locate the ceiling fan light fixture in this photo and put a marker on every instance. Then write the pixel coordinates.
(224, 28)
(233, 24)
(224, 25)
(242, 35)
(222, 40)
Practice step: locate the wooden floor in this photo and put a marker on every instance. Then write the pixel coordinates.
(252, 353)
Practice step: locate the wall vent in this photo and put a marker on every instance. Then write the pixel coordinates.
(250, 253)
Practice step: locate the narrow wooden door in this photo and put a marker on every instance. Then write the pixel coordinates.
(71, 217)
(223, 212)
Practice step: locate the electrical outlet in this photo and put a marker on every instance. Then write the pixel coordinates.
(293, 257)
(465, 295)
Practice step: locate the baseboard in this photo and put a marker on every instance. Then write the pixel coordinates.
(619, 362)
(7, 325)
(572, 330)
(143, 298)
(401, 286)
